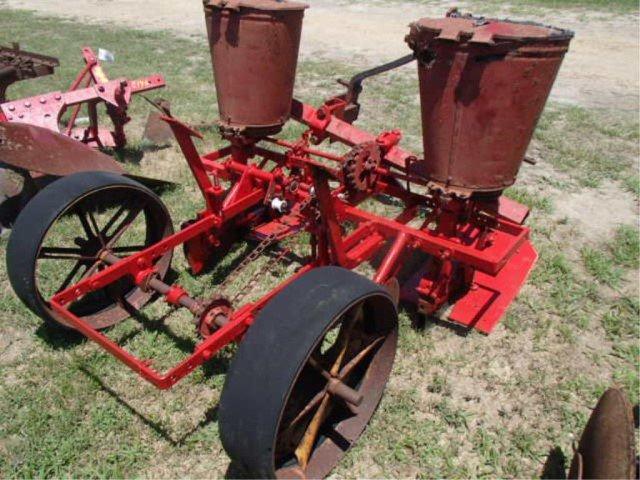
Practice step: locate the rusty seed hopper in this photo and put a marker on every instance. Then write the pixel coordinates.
(483, 86)
(254, 51)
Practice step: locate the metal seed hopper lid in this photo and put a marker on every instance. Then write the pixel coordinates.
(266, 5)
(466, 28)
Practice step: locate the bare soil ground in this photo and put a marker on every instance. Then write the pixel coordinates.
(601, 71)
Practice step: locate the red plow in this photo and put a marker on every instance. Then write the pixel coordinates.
(315, 352)
(43, 136)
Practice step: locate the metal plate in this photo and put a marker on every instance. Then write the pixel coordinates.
(40, 150)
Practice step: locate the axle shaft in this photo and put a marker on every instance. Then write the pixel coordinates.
(173, 294)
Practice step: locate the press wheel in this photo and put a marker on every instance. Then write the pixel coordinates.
(58, 238)
(309, 375)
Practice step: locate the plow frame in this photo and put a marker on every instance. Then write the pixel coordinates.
(479, 253)
(91, 87)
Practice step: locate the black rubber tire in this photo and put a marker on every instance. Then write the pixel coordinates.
(34, 222)
(272, 354)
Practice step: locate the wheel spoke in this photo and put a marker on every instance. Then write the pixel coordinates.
(67, 281)
(76, 258)
(319, 368)
(59, 253)
(304, 449)
(308, 408)
(335, 350)
(355, 361)
(128, 249)
(124, 225)
(303, 452)
(342, 375)
(86, 225)
(113, 220)
(92, 269)
(94, 224)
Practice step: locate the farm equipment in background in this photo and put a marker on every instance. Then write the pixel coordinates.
(317, 350)
(607, 447)
(31, 154)
(90, 88)
(17, 65)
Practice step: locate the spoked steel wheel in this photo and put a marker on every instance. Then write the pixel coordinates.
(58, 238)
(309, 375)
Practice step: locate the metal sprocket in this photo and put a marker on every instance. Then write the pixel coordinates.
(359, 166)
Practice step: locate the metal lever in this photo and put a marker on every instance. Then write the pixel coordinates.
(354, 86)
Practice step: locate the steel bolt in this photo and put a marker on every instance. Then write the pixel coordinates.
(11, 108)
(27, 104)
(58, 97)
(43, 100)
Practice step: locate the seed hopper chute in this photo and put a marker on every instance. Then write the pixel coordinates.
(316, 351)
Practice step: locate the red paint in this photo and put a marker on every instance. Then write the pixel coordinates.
(479, 253)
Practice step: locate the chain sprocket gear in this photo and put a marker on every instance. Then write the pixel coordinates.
(359, 166)
(216, 313)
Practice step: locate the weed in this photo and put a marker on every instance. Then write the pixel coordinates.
(599, 265)
(626, 247)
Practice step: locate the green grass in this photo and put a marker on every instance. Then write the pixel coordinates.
(456, 407)
(600, 266)
(594, 147)
(626, 247)
(536, 202)
(607, 264)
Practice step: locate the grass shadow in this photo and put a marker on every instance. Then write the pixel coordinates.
(218, 365)
(211, 415)
(555, 465)
(158, 325)
(129, 154)
(422, 323)
(58, 337)
(221, 270)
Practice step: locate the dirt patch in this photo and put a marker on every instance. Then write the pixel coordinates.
(596, 213)
(13, 344)
(588, 215)
(602, 69)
